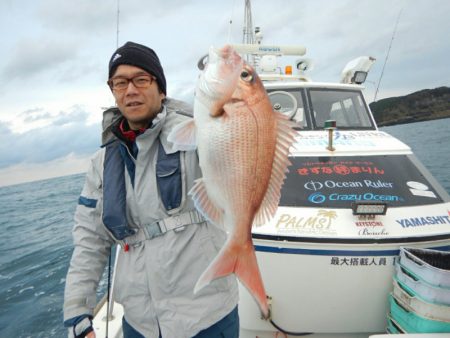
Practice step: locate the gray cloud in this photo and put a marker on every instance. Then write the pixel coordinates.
(37, 56)
(153, 9)
(34, 115)
(75, 116)
(91, 17)
(68, 133)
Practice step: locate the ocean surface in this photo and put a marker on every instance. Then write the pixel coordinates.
(36, 244)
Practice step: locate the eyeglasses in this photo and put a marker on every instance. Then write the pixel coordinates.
(139, 81)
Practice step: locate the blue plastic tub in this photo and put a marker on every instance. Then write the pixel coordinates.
(428, 292)
(393, 327)
(415, 304)
(413, 323)
(431, 266)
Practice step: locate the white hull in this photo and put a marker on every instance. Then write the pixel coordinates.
(314, 290)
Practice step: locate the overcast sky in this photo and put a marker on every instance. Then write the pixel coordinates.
(53, 64)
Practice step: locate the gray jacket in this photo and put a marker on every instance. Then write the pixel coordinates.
(156, 277)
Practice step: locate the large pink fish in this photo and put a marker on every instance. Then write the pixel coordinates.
(243, 148)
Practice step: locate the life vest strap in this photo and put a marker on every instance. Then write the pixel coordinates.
(158, 228)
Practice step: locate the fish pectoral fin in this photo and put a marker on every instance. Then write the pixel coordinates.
(285, 139)
(240, 260)
(204, 204)
(183, 136)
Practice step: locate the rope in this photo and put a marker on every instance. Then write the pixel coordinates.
(296, 334)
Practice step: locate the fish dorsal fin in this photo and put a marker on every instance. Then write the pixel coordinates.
(285, 139)
(183, 135)
(204, 204)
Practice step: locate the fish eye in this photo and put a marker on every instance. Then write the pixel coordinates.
(246, 76)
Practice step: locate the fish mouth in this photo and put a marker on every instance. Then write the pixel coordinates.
(226, 53)
(219, 78)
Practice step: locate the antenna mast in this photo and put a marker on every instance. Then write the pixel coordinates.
(248, 37)
(248, 24)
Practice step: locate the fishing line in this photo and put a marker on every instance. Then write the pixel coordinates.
(118, 17)
(387, 54)
(231, 22)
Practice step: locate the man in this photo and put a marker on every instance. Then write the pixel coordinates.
(135, 195)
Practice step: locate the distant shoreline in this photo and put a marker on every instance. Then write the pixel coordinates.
(423, 105)
(409, 120)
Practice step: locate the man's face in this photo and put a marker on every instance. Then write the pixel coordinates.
(138, 105)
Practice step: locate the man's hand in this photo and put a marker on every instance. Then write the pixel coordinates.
(83, 329)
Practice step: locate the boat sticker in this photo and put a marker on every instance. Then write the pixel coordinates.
(369, 224)
(340, 139)
(373, 232)
(360, 134)
(321, 223)
(420, 189)
(423, 221)
(342, 168)
(371, 228)
(337, 182)
(330, 184)
(323, 142)
(361, 261)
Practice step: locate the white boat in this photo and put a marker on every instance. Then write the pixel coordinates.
(353, 196)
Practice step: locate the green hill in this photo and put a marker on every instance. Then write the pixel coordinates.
(427, 104)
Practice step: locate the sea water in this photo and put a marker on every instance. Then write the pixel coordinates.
(36, 242)
(35, 248)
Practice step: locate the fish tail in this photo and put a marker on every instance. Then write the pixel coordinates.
(240, 260)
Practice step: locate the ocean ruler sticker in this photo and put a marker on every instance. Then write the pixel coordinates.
(337, 182)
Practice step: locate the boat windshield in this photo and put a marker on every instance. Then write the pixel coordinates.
(309, 108)
(290, 102)
(346, 107)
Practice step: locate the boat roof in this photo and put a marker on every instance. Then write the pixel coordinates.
(294, 83)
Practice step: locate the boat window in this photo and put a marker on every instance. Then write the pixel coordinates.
(346, 107)
(290, 102)
(337, 182)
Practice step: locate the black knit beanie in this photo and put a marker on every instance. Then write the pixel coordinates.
(134, 54)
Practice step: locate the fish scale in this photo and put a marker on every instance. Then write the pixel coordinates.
(231, 150)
